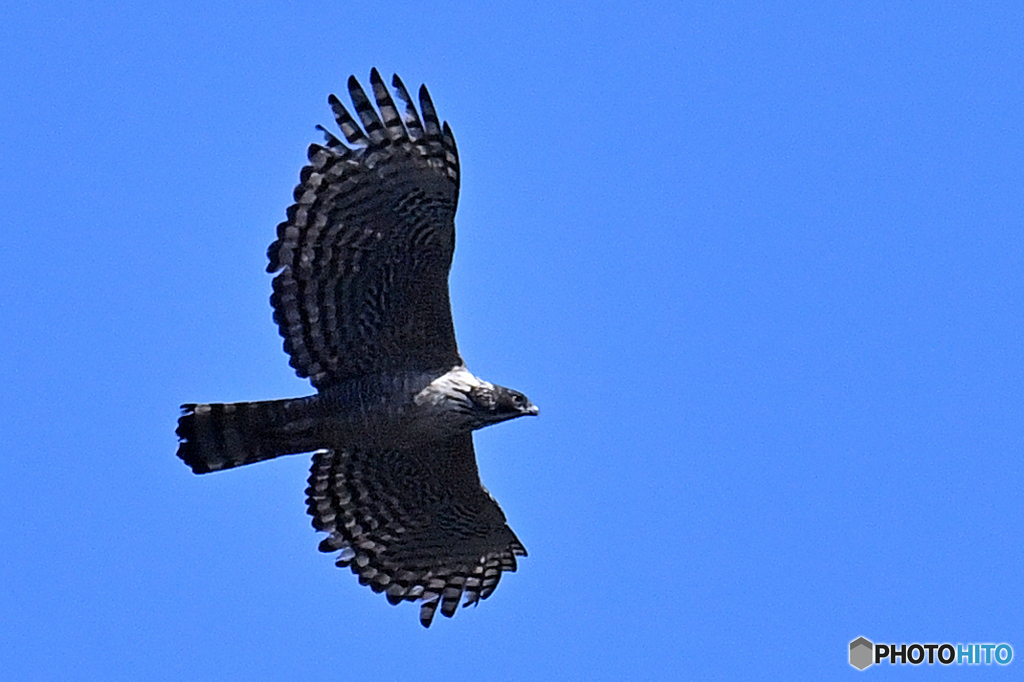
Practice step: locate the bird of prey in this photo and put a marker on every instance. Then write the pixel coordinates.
(361, 300)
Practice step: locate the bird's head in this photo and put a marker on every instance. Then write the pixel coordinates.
(473, 402)
(495, 404)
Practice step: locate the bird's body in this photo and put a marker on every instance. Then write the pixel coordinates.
(362, 304)
(403, 411)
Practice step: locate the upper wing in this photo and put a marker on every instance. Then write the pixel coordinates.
(414, 524)
(365, 252)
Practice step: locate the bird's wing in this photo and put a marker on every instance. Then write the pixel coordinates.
(365, 252)
(415, 524)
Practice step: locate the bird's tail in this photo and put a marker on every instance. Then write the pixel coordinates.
(224, 435)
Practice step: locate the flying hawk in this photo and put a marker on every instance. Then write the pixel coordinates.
(362, 303)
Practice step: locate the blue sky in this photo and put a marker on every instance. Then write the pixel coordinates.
(759, 264)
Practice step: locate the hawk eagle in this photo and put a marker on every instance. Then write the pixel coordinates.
(361, 300)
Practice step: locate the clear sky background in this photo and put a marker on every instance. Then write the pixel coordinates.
(759, 264)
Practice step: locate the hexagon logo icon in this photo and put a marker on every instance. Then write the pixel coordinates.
(861, 653)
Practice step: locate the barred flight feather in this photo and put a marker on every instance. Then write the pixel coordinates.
(361, 301)
(397, 527)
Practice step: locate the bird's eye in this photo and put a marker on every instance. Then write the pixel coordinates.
(518, 400)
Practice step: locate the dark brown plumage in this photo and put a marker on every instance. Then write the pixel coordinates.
(361, 300)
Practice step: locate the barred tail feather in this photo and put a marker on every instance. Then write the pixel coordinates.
(225, 435)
